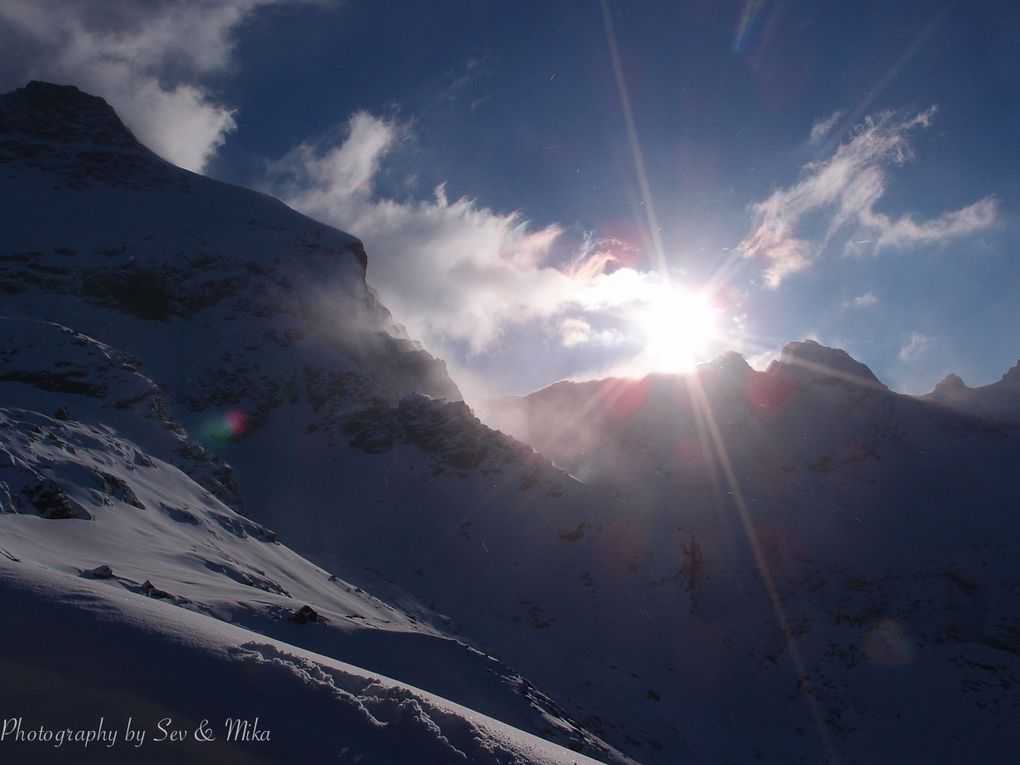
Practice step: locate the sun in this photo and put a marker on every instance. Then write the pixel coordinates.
(677, 327)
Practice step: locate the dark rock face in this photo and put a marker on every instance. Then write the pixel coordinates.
(63, 114)
(78, 135)
(951, 382)
(119, 489)
(1013, 374)
(809, 361)
(51, 501)
(60, 382)
(99, 572)
(448, 430)
(305, 615)
(149, 590)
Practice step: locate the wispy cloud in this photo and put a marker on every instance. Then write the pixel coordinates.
(450, 270)
(861, 301)
(821, 128)
(906, 231)
(456, 273)
(761, 360)
(575, 331)
(149, 60)
(846, 187)
(915, 345)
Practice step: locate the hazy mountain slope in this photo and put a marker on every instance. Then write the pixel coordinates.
(258, 324)
(225, 293)
(88, 492)
(998, 402)
(884, 526)
(246, 313)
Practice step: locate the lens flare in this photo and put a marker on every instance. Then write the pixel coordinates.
(887, 645)
(227, 427)
(749, 18)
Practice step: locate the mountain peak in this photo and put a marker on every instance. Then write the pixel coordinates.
(1013, 374)
(811, 360)
(727, 364)
(62, 114)
(59, 129)
(951, 382)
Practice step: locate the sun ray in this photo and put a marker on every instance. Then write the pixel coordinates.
(707, 426)
(651, 219)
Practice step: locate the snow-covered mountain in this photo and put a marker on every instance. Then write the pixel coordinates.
(103, 543)
(998, 402)
(818, 521)
(239, 307)
(728, 566)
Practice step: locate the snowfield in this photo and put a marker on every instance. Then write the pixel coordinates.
(79, 651)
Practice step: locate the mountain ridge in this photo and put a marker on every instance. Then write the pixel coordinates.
(240, 308)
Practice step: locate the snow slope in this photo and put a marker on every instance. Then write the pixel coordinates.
(142, 662)
(81, 501)
(840, 545)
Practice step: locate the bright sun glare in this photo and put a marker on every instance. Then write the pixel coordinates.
(677, 327)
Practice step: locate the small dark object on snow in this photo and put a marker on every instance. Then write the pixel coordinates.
(50, 501)
(119, 489)
(150, 590)
(99, 572)
(63, 413)
(304, 615)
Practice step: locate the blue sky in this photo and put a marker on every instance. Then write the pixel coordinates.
(844, 170)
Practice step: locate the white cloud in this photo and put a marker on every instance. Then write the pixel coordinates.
(575, 331)
(453, 271)
(847, 186)
(906, 232)
(179, 124)
(450, 270)
(147, 59)
(915, 345)
(821, 128)
(861, 301)
(760, 361)
(324, 179)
